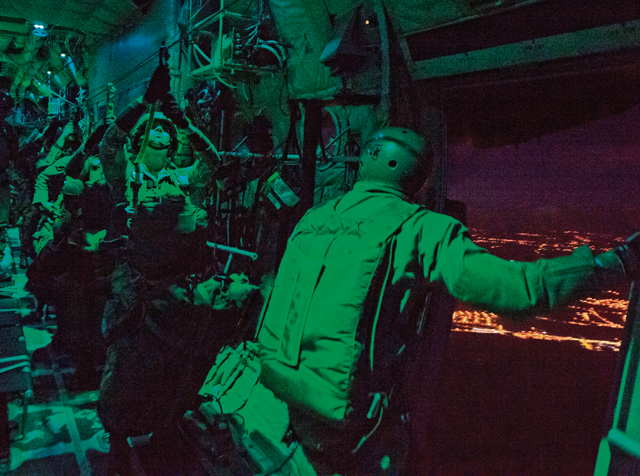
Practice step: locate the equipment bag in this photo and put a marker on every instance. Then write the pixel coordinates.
(259, 422)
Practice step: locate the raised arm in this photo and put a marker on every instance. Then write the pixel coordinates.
(198, 140)
(472, 274)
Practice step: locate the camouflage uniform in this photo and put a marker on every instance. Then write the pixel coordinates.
(8, 151)
(151, 321)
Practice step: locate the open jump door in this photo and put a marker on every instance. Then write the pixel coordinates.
(619, 452)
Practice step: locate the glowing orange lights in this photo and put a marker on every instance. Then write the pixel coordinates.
(594, 323)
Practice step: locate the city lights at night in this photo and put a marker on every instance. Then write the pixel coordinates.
(594, 323)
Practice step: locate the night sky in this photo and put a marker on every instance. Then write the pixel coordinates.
(584, 178)
(543, 401)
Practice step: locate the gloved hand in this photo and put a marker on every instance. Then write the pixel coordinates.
(173, 111)
(76, 118)
(94, 139)
(159, 85)
(52, 129)
(204, 293)
(629, 255)
(90, 147)
(66, 138)
(128, 118)
(67, 130)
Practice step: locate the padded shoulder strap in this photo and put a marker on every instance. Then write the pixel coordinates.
(377, 223)
(304, 268)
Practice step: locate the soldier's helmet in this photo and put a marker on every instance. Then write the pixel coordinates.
(159, 119)
(397, 157)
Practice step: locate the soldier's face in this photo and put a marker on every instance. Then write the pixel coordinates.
(159, 138)
(156, 156)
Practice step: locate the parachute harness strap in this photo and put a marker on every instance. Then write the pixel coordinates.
(384, 287)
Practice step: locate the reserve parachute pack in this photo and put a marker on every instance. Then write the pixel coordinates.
(323, 312)
(257, 421)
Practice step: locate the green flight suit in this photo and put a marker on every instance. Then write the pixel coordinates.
(439, 249)
(429, 249)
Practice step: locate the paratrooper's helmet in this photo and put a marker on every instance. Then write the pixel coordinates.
(397, 157)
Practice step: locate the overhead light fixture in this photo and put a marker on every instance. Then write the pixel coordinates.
(39, 30)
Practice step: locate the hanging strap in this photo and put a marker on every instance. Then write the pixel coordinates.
(380, 299)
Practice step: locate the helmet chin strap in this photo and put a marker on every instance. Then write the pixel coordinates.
(145, 140)
(153, 146)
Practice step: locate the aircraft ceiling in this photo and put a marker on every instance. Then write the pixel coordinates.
(70, 27)
(75, 26)
(96, 17)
